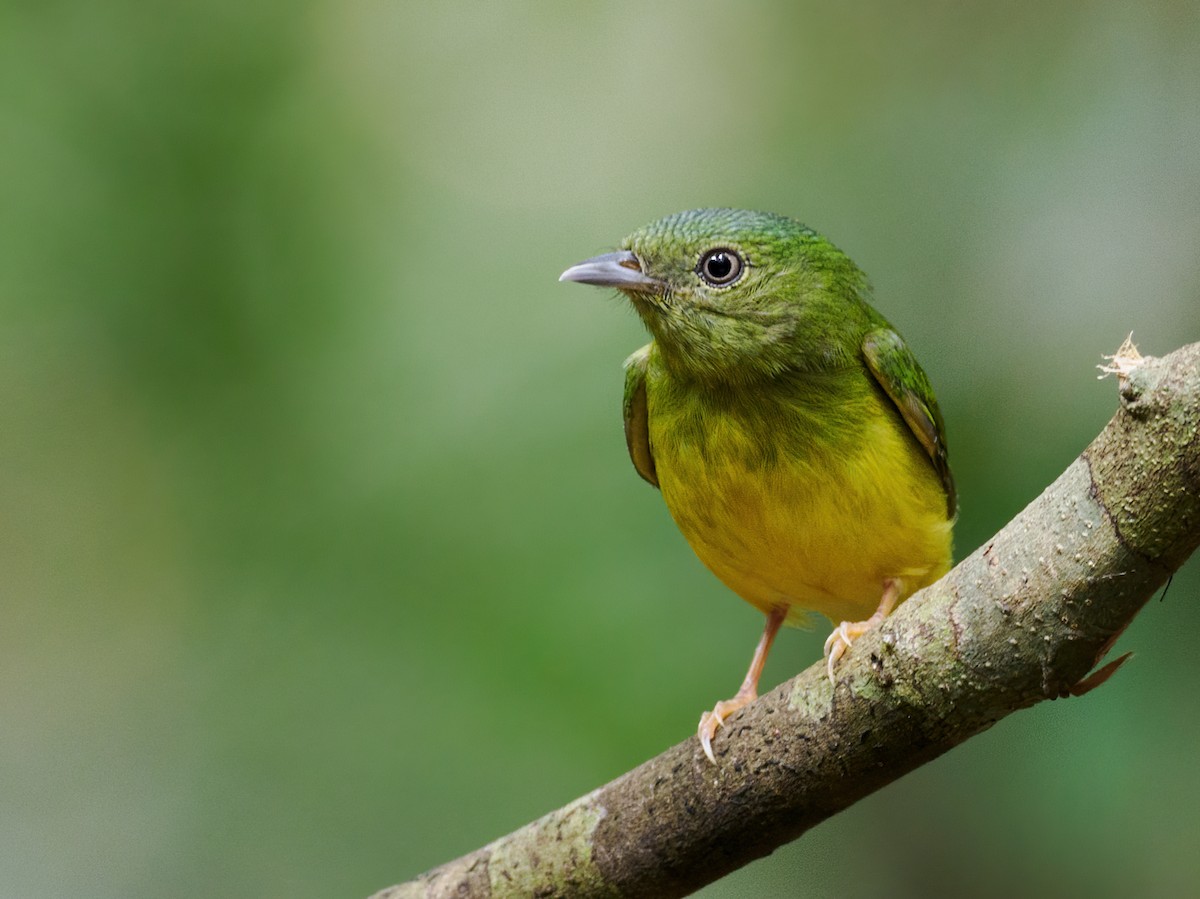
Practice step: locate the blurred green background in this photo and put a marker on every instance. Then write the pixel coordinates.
(323, 561)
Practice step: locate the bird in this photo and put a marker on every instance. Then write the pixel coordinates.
(793, 435)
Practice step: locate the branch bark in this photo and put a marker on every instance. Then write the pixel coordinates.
(1023, 619)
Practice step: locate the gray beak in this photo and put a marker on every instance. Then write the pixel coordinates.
(620, 269)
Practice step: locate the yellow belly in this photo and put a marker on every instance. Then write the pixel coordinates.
(816, 531)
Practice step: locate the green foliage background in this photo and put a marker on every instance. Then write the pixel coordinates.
(322, 561)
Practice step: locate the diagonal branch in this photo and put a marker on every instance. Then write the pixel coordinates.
(1023, 619)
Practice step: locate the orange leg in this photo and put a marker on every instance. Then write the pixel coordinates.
(710, 721)
(849, 631)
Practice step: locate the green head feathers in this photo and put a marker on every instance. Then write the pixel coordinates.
(736, 296)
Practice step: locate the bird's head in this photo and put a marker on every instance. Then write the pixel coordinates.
(736, 296)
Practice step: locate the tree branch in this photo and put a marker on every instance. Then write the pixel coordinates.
(1023, 619)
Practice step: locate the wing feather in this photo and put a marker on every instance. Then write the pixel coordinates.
(637, 415)
(894, 366)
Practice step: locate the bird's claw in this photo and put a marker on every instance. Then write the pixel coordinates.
(836, 645)
(843, 637)
(709, 722)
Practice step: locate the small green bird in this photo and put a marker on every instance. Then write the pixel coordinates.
(795, 439)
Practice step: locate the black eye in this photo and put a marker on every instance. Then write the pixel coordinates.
(720, 267)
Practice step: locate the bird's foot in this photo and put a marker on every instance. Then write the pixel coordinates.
(843, 635)
(710, 721)
(847, 632)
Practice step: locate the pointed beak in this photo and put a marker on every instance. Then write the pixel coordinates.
(620, 269)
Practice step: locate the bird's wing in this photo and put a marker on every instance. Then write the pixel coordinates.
(896, 369)
(637, 416)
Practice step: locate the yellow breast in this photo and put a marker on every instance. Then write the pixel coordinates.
(818, 521)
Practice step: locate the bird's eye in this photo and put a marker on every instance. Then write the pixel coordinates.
(720, 267)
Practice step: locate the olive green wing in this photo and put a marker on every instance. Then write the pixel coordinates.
(637, 415)
(894, 366)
